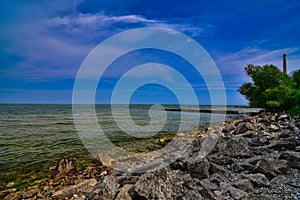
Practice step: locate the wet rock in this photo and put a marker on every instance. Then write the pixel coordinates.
(105, 159)
(105, 189)
(180, 134)
(263, 166)
(198, 167)
(6, 192)
(244, 184)
(257, 179)
(30, 193)
(14, 196)
(66, 166)
(67, 192)
(10, 184)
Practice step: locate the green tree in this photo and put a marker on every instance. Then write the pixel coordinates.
(272, 89)
(296, 78)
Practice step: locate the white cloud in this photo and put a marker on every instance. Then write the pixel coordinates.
(234, 63)
(96, 19)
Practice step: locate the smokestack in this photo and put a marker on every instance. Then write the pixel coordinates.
(284, 64)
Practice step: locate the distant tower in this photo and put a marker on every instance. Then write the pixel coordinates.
(284, 64)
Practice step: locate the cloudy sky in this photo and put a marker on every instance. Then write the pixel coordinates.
(43, 44)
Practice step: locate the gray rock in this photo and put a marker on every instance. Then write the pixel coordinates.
(228, 128)
(237, 168)
(163, 183)
(105, 189)
(220, 159)
(192, 195)
(278, 181)
(244, 184)
(237, 193)
(208, 185)
(236, 147)
(263, 166)
(280, 166)
(216, 178)
(214, 168)
(281, 117)
(258, 197)
(257, 179)
(283, 144)
(292, 157)
(241, 128)
(124, 193)
(198, 167)
(207, 193)
(250, 163)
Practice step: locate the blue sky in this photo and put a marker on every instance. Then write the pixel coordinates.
(43, 43)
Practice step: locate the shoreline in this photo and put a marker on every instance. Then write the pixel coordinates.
(256, 137)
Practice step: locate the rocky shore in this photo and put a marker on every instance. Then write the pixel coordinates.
(254, 157)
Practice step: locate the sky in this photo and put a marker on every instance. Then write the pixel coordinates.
(44, 43)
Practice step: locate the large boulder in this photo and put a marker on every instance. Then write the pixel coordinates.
(163, 183)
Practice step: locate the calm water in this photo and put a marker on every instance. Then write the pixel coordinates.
(34, 137)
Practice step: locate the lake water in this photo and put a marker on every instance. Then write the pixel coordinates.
(34, 137)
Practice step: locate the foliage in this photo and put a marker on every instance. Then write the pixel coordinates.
(272, 89)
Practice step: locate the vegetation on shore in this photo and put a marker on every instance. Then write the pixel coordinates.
(272, 89)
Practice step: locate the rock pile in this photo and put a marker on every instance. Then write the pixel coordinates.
(255, 157)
